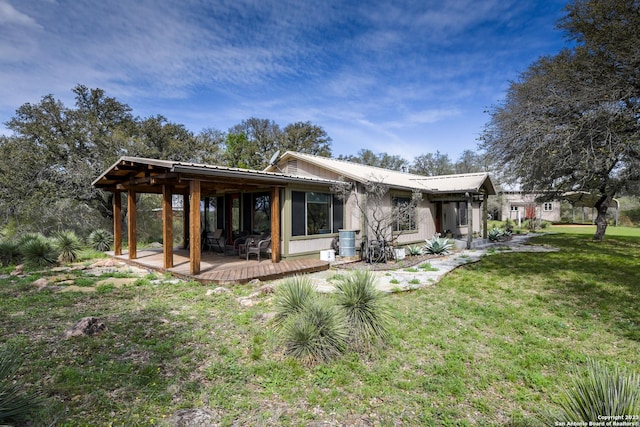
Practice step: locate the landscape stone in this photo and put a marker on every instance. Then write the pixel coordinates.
(86, 326)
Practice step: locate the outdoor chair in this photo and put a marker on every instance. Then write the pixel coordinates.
(263, 245)
(216, 239)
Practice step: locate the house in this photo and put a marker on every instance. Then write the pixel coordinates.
(294, 199)
(520, 206)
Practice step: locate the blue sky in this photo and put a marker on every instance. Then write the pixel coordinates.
(404, 77)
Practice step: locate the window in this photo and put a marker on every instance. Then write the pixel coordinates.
(261, 212)
(514, 208)
(315, 213)
(462, 213)
(404, 213)
(548, 207)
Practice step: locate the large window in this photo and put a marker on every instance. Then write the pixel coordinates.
(315, 213)
(261, 212)
(404, 214)
(462, 218)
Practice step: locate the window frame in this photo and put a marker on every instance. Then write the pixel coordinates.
(300, 223)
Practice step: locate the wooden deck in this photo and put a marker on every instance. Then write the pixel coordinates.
(224, 270)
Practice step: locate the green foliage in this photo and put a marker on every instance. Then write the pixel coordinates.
(68, 245)
(38, 251)
(438, 245)
(292, 296)
(9, 253)
(414, 250)
(15, 405)
(318, 333)
(100, 240)
(603, 392)
(365, 307)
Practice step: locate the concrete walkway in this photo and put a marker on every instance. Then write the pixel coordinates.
(432, 270)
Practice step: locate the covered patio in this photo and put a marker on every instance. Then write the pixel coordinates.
(198, 184)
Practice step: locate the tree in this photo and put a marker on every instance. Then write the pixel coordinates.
(380, 160)
(432, 164)
(570, 123)
(251, 143)
(305, 137)
(470, 162)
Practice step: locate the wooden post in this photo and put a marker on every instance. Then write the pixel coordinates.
(484, 215)
(469, 221)
(131, 224)
(167, 226)
(185, 221)
(117, 223)
(275, 224)
(194, 227)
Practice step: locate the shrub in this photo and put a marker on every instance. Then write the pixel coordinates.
(68, 244)
(494, 234)
(15, 405)
(9, 253)
(438, 245)
(317, 333)
(602, 392)
(365, 308)
(38, 251)
(100, 240)
(292, 296)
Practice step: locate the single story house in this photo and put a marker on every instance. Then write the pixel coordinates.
(519, 206)
(294, 200)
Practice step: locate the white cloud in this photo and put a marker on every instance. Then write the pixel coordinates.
(10, 15)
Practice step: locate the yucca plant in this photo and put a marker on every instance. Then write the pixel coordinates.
(366, 310)
(292, 296)
(438, 245)
(9, 252)
(414, 250)
(100, 240)
(68, 244)
(602, 392)
(15, 405)
(318, 333)
(38, 251)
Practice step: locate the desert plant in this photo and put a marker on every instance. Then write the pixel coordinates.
(317, 333)
(9, 252)
(69, 245)
(414, 250)
(15, 405)
(365, 307)
(292, 296)
(100, 240)
(38, 251)
(438, 245)
(494, 234)
(603, 392)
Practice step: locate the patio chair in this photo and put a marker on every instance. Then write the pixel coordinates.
(216, 239)
(263, 245)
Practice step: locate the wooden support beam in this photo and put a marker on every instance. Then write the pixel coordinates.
(117, 223)
(194, 227)
(167, 226)
(131, 224)
(485, 214)
(275, 224)
(185, 221)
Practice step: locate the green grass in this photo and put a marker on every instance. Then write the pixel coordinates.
(493, 343)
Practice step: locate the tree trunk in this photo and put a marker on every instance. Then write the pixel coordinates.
(601, 220)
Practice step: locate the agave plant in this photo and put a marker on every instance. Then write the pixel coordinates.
(292, 296)
(365, 308)
(38, 251)
(414, 250)
(602, 392)
(15, 405)
(68, 244)
(100, 240)
(438, 245)
(317, 333)
(494, 234)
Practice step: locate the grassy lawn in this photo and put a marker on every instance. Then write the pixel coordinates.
(491, 344)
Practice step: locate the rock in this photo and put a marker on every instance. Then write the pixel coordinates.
(18, 270)
(40, 283)
(263, 290)
(218, 290)
(85, 326)
(254, 282)
(195, 418)
(155, 245)
(246, 302)
(266, 317)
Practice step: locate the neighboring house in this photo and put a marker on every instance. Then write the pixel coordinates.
(293, 199)
(520, 206)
